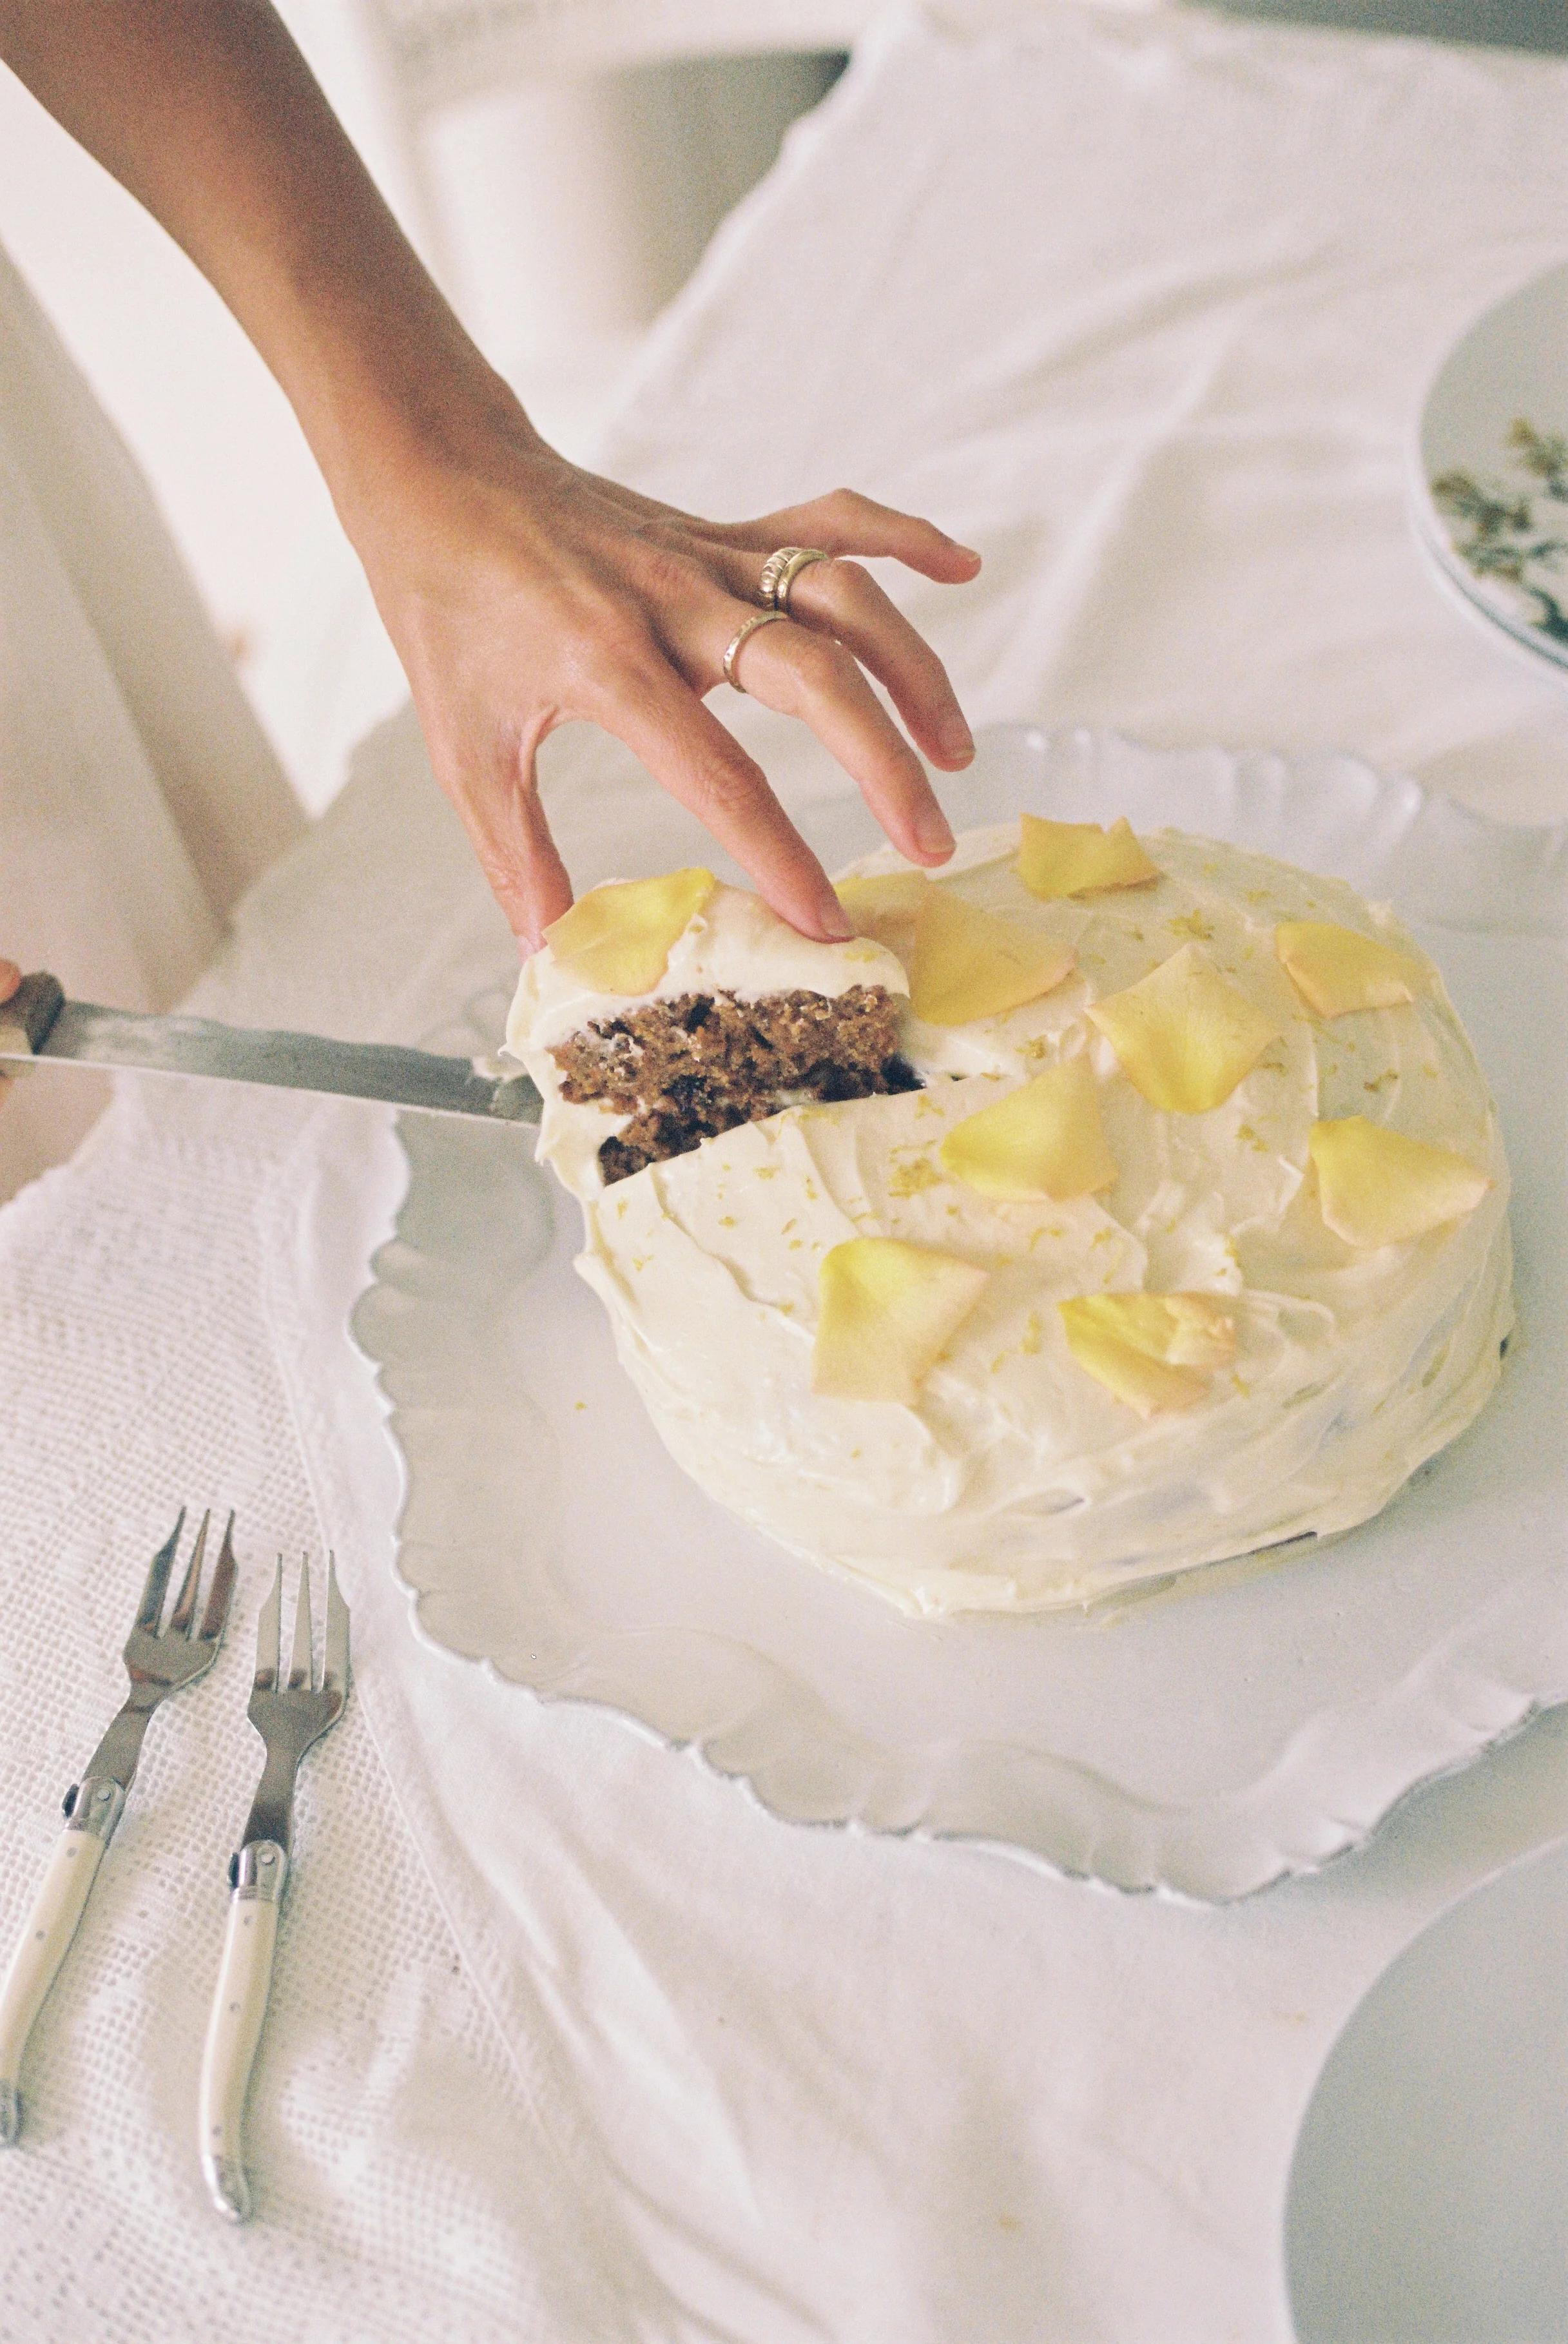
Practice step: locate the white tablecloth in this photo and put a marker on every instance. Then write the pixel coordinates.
(569, 2041)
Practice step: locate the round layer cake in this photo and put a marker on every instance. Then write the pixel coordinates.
(1107, 1207)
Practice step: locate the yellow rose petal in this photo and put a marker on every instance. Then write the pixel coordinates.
(1378, 1187)
(1184, 1034)
(1336, 970)
(1152, 1350)
(617, 938)
(886, 1312)
(969, 963)
(1079, 858)
(1044, 1140)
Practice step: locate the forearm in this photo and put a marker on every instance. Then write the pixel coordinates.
(206, 111)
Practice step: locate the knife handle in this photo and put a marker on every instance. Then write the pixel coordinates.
(234, 2028)
(95, 1808)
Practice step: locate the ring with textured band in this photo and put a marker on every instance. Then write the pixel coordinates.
(761, 619)
(780, 571)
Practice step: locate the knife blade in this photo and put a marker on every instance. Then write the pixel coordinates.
(38, 1026)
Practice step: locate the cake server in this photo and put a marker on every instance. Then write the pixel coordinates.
(158, 1661)
(290, 1715)
(38, 1026)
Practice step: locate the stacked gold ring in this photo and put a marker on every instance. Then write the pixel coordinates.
(760, 619)
(780, 571)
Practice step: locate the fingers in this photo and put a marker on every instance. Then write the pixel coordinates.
(814, 678)
(839, 599)
(847, 522)
(683, 745)
(496, 800)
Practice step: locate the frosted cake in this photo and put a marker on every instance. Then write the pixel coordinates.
(1107, 1207)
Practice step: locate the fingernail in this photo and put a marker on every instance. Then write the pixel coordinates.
(957, 741)
(933, 832)
(836, 926)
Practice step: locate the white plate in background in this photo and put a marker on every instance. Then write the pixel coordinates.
(1251, 1721)
(1429, 2193)
(1510, 367)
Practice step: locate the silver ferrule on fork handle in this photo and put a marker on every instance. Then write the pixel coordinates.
(95, 1804)
(234, 2028)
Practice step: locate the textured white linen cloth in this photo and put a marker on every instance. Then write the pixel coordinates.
(569, 2041)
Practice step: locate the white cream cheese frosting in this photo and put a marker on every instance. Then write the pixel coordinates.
(733, 945)
(1015, 1481)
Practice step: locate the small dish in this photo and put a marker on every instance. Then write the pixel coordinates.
(1428, 2192)
(1490, 480)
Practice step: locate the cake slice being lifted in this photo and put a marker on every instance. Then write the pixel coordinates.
(663, 1012)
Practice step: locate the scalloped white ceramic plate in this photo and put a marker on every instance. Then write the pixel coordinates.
(1245, 1721)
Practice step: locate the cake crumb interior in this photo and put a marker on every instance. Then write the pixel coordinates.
(685, 1070)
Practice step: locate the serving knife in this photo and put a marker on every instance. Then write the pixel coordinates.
(38, 1026)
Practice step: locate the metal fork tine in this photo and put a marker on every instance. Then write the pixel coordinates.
(214, 1618)
(268, 1634)
(183, 1612)
(336, 1676)
(299, 1659)
(151, 1604)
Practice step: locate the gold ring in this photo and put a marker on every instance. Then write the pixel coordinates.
(780, 571)
(761, 619)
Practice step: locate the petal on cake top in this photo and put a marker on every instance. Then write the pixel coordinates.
(1379, 1187)
(1080, 858)
(618, 938)
(886, 1310)
(1336, 970)
(885, 905)
(970, 964)
(1184, 1034)
(1044, 1140)
(1154, 1351)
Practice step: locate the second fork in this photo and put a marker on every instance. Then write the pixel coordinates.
(290, 1716)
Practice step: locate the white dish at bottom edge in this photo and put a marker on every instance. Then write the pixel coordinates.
(1429, 2193)
(1239, 1723)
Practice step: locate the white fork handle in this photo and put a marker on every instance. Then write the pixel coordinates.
(234, 2028)
(50, 1927)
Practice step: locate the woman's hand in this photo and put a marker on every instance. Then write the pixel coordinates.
(521, 593)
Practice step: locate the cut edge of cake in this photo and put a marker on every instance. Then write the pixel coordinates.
(686, 1069)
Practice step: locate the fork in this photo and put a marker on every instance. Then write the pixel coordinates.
(158, 1661)
(289, 1718)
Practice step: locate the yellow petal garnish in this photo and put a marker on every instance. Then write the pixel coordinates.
(1078, 858)
(1185, 1035)
(1044, 1140)
(1336, 970)
(886, 1312)
(887, 898)
(1152, 1350)
(969, 963)
(1378, 1187)
(617, 938)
